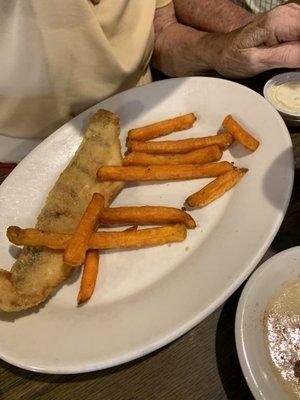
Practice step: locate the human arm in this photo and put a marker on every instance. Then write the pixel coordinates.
(211, 15)
(181, 50)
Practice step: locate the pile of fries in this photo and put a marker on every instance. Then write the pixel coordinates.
(147, 160)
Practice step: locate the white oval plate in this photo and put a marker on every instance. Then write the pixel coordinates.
(282, 268)
(146, 298)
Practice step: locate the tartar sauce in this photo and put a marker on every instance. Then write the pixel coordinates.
(286, 95)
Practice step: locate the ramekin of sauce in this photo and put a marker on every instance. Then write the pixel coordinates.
(283, 92)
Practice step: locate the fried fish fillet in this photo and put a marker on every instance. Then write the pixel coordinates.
(38, 271)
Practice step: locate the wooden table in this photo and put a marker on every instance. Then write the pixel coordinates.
(202, 364)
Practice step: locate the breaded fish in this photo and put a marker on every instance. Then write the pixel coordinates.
(38, 271)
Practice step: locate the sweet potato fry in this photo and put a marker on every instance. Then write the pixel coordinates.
(201, 156)
(216, 188)
(239, 133)
(89, 276)
(37, 238)
(146, 215)
(75, 251)
(90, 273)
(162, 128)
(100, 240)
(223, 140)
(163, 172)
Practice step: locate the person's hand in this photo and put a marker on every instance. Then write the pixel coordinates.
(272, 40)
(282, 24)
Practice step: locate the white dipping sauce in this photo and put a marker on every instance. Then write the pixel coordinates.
(286, 95)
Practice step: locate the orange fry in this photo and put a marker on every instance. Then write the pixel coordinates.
(163, 172)
(100, 240)
(151, 215)
(223, 140)
(75, 251)
(240, 134)
(204, 155)
(36, 237)
(89, 276)
(162, 128)
(216, 188)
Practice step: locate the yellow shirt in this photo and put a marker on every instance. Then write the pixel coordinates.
(59, 57)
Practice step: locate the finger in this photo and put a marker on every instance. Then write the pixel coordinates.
(283, 23)
(284, 32)
(293, 4)
(285, 55)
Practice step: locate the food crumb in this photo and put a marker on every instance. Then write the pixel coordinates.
(169, 245)
(297, 369)
(187, 248)
(183, 208)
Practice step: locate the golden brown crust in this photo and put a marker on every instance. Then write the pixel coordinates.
(38, 271)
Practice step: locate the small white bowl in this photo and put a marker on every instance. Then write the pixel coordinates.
(291, 118)
(279, 269)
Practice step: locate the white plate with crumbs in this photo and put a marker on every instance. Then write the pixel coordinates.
(146, 298)
(267, 330)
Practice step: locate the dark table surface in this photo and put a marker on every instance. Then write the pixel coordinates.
(202, 364)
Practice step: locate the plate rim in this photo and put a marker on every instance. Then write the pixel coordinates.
(191, 323)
